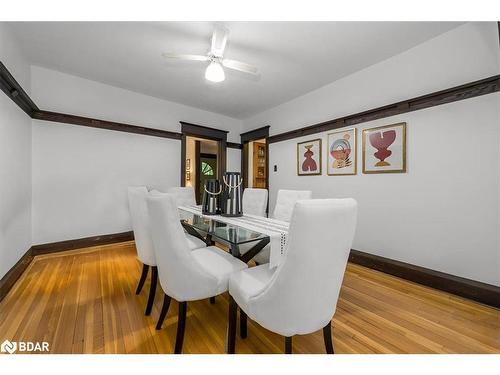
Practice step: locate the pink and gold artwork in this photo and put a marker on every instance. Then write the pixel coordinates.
(309, 158)
(341, 156)
(384, 149)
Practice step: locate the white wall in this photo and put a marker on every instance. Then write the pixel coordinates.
(444, 212)
(467, 53)
(15, 161)
(80, 174)
(233, 160)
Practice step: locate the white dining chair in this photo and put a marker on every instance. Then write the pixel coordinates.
(193, 241)
(254, 201)
(185, 275)
(184, 195)
(143, 242)
(300, 295)
(285, 202)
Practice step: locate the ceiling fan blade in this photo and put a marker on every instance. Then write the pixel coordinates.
(219, 39)
(241, 66)
(184, 56)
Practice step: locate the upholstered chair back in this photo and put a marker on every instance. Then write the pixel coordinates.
(184, 196)
(285, 202)
(140, 224)
(255, 201)
(302, 295)
(181, 277)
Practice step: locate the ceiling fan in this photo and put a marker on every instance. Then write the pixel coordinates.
(215, 70)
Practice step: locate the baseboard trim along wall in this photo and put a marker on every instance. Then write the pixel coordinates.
(79, 243)
(470, 289)
(10, 278)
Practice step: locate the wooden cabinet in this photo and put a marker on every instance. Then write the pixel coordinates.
(259, 165)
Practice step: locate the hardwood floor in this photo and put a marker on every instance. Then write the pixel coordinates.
(84, 301)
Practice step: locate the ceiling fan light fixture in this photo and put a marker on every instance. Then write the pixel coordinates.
(215, 72)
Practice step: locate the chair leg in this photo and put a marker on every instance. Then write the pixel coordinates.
(164, 311)
(181, 327)
(288, 345)
(327, 337)
(243, 324)
(152, 289)
(144, 274)
(212, 300)
(231, 326)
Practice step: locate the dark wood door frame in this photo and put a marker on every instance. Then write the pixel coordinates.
(253, 135)
(198, 156)
(205, 132)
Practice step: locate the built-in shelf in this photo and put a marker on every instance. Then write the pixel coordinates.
(259, 165)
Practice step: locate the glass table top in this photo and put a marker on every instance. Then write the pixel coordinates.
(228, 233)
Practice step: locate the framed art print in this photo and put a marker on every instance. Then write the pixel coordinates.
(309, 158)
(341, 153)
(384, 149)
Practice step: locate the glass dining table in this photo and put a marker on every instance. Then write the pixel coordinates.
(210, 230)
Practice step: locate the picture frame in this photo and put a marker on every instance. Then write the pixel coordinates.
(384, 149)
(309, 160)
(342, 153)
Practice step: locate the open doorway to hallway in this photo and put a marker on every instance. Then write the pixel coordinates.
(202, 163)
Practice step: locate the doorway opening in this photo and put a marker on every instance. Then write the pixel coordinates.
(255, 158)
(202, 163)
(257, 164)
(199, 141)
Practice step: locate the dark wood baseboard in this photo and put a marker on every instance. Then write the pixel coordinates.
(474, 290)
(79, 243)
(10, 278)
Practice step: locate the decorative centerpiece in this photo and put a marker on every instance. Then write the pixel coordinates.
(211, 197)
(231, 201)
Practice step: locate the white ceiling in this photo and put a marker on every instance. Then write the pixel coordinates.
(293, 57)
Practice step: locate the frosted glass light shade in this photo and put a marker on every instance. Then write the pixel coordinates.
(215, 72)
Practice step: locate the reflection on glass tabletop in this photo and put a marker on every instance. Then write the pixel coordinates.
(226, 232)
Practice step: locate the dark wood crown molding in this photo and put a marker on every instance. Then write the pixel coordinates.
(15, 92)
(238, 146)
(474, 290)
(254, 134)
(469, 90)
(203, 131)
(103, 124)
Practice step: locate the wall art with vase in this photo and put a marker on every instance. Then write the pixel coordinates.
(309, 158)
(341, 153)
(384, 149)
